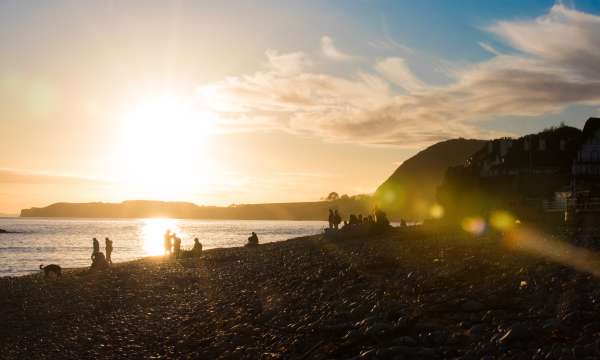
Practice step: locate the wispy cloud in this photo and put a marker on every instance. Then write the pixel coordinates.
(396, 70)
(554, 64)
(13, 176)
(331, 51)
(489, 48)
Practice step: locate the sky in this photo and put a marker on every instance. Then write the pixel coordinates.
(269, 101)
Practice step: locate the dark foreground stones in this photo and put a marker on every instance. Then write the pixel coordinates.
(404, 295)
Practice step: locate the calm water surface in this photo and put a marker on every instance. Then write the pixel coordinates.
(68, 242)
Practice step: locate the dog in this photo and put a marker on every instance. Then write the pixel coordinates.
(52, 268)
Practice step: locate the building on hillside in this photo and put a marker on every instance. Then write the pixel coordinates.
(585, 179)
(587, 162)
(549, 152)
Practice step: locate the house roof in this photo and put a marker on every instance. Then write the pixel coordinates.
(591, 129)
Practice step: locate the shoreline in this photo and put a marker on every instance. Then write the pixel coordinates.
(409, 293)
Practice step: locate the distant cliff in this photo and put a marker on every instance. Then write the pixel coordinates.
(184, 210)
(410, 190)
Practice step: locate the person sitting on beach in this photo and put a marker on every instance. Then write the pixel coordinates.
(331, 219)
(346, 226)
(99, 261)
(197, 249)
(95, 246)
(177, 246)
(252, 240)
(108, 244)
(167, 242)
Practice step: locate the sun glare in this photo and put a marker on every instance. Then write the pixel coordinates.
(153, 231)
(162, 138)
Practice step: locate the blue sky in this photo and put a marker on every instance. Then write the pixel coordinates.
(362, 84)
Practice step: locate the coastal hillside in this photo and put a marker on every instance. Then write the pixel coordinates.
(316, 210)
(411, 189)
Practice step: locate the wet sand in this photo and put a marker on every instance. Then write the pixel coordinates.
(404, 295)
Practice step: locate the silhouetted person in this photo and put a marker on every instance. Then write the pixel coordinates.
(337, 219)
(253, 240)
(331, 219)
(167, 242)
(108, 244)
(346, 226)
(360, 218)
(197, 249)
(95, 246)
(381, 218)
(402, 223)
(176, 246)
(99, 261)
(353, 220)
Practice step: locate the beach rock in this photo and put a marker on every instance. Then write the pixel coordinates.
(592, 327)
(476, 331)
(406, 340)
(515, 333)
(472, 306)
(377, 329)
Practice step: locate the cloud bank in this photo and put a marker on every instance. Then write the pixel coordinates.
(553, 64)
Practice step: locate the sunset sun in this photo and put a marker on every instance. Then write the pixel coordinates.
(161, 136)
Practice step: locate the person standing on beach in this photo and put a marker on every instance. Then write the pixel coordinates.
(167, 242)
(95, 246)
(337, 219)
(331, 219)
(109, 248)
(176, 246)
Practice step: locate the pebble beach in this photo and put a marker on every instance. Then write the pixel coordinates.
(406, 294)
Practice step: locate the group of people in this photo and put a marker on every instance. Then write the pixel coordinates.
(172, 246)
(334, 219)
(377, 218)
(99, 259)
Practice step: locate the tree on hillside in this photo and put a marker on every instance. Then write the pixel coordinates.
(333, 196)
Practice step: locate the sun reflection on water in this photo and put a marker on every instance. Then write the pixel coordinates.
(153, 231)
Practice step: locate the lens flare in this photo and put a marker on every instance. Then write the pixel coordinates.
(536, 243)
(474, 225)
(502, 220)
(436, 211)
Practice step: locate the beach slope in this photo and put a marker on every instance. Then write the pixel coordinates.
(406, 294)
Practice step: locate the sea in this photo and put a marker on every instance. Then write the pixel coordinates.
(68, 242)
